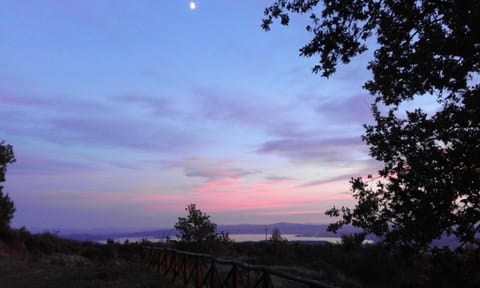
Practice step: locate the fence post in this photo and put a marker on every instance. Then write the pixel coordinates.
(156, 259)
(162, 261)
(234, 276)
(185, 270)
(213, 271)
(266, 279)
(165, 259)
(198, 280)
(174, 262)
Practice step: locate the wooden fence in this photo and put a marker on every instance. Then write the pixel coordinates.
(202, 270)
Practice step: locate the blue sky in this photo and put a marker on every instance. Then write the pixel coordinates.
(122, 113)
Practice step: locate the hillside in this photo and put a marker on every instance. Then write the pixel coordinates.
(46, 260)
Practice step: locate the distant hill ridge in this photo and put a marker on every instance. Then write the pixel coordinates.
(316, 230)
(319, 230)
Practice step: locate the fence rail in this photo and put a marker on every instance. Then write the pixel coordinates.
(202, 270)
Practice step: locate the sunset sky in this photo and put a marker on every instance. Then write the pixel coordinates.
(121, 113)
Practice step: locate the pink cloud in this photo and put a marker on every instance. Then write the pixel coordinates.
(215, 186)
(291, 212)
(236, 195)
(216, 173)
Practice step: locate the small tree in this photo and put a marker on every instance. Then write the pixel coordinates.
(224, 238)
(278, 244)
(7, 208)
(353, 241)
(276, 235)
(197, 227)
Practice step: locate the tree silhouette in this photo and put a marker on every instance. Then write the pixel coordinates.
(197, 227)
(7, 208)
(430, 184)
(277, 236)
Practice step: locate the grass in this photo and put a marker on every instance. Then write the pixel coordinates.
(46, 260)
(38, 274)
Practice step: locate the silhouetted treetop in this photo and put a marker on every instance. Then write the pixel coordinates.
(196, 227)
(423, 46)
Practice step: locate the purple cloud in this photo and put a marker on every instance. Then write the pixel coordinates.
(67, 120)
(57, 103)
(345, 177)
(230, 106)
(35, 164)
(216, 173)
(371, 167)
(213, 169)
(336, 150)
(158, 105)
(117, 131)
(354, 109)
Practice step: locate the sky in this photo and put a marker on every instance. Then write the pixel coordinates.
(121, 113)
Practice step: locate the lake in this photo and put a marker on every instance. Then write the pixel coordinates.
(236, 238)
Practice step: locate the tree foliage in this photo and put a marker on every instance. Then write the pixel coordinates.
(431, 174)
(7, 208)
(196, 227)
(277, 236)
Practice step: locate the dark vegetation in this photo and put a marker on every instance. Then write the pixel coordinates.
(22, 244)
(362, 266)
(349, 264)
(46, 260)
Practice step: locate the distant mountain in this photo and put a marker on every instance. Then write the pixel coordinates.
(285, 228)
(86, 236)
(317, 230)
